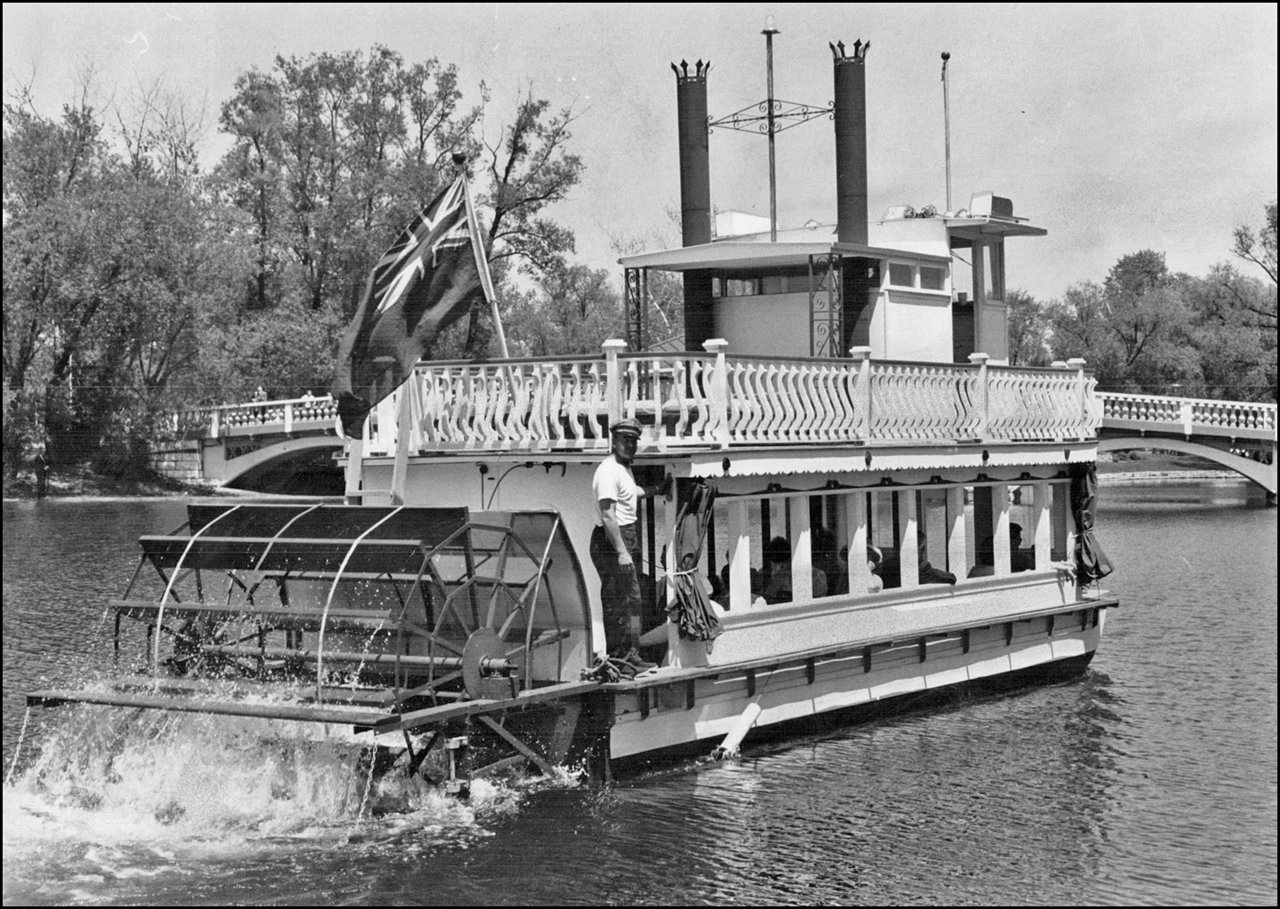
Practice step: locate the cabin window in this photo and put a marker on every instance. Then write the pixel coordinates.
(901, 537)
(779, 539)
(735, 550)
(900, 275)
(932, 278)
(773, 284)
(790, 280)
(917, 277)
(1019, 526)
(993, 270)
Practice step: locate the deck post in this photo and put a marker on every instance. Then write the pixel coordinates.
(215, 423)
(1044, 524)
(355, 457)
(958, 544)
(862, 392)
(801, 551)
(1082, 395)
(908, 543)
(719, 388)
(1000, 536)
(855, 505)
(739, 556)
(613, 377)
(984, 397)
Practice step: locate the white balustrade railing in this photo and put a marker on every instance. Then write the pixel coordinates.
(292, 415)
(1190, 416)
(530, 404)
(926, 402)
(711, 399)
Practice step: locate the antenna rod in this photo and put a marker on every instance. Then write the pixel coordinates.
(946, 121)
(769, 32)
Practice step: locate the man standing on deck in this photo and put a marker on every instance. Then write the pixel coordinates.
(615, 543)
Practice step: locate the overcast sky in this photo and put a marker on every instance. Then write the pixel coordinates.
(1115, 127)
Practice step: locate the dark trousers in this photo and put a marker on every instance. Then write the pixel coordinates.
(619, 586)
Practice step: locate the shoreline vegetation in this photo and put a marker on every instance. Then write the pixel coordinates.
(1118, 468)
(81, 481)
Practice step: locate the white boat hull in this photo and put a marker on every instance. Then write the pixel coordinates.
(661, 718)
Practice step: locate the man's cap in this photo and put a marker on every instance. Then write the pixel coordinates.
(626, 428)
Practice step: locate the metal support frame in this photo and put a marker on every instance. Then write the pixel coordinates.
(826, 305)
(637, 302)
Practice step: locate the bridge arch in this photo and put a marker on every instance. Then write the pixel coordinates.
(1258, 472)
(235, 464)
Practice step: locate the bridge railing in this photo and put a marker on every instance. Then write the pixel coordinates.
(1188, 416)
(306, 414)
(716, 400)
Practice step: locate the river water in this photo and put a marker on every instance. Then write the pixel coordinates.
(1150, 779)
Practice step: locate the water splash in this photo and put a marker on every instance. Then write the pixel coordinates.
(22, 734)
(115, 794)
(115, 805)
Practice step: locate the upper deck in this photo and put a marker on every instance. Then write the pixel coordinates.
(716, 400)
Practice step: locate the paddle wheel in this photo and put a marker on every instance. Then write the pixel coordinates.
(454, 629)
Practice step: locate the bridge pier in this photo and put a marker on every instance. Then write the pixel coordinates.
(180, 460)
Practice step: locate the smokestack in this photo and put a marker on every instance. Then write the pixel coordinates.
(695, 196)
(851, 142)
(695, 169)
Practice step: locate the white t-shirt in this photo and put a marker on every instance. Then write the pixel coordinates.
(614, 481)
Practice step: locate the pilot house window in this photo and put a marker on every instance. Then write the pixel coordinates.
(900, 275)
(932, 278)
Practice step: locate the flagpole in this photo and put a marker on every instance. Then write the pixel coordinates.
(486, 280)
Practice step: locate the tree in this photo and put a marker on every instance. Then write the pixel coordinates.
(1028, 330)
(1237, 350)
(332, 155)
(529, 169)
(1260, 249)
(1147, 314)
(1078, 324)
(572, 309)
(109, 260)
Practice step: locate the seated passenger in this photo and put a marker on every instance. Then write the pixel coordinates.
(929, 574)
(830, 562)
(888, 568)
(777, 554)
(874, 558)
(1020, 559)
(724, 598)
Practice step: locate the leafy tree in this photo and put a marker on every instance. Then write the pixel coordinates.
(1237, 351)
(108, 260)
(1078, 325)
(1260, 249)
(571, 311)
(332, 155)
(1028, 330)
(1132, 330)
(529, 169)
